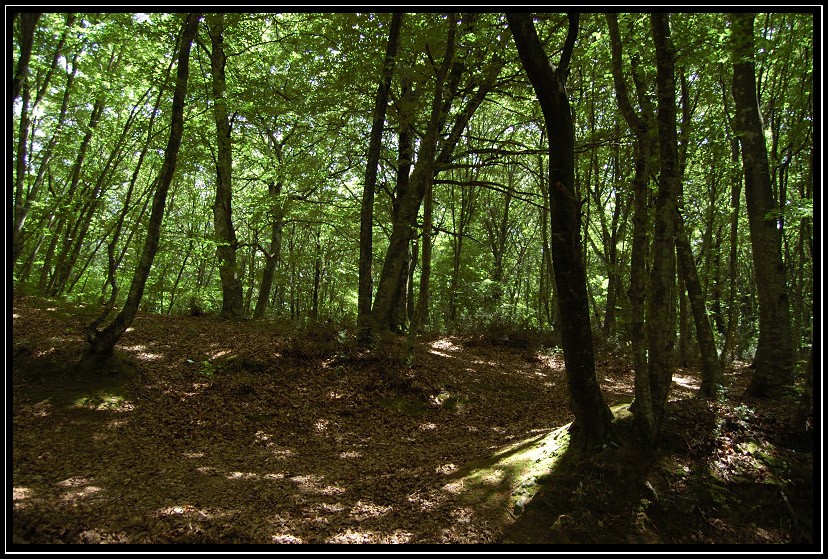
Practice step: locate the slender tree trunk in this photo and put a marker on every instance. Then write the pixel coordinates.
(23, 207)
(774, 352)
(661, 311)
(317, 275)
(20, 172)
(430, 161)
(593, 428)
(414, 255)
(62, 266)
(364, 323)
(84, 220)
(113, 262)
(421, 311)
(272, 257)
(403, 304)
(102, 342)
(181, 268)
(549, 289)
(645, 147)
(232, 301)
(711, 370)
(733, 261)
(409, 205)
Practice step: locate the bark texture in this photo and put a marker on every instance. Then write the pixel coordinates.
(774, 352)
(592, 429)
(232, 300)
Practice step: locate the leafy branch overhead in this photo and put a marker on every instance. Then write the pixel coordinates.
(628, 183)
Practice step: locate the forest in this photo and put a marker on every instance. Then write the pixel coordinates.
(422, 278)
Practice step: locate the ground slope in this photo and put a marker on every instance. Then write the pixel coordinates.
(255, 432)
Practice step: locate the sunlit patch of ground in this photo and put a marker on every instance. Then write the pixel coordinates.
(508, 480)
(254, 447)
(444, 347)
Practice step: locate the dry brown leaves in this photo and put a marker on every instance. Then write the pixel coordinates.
(238, 432)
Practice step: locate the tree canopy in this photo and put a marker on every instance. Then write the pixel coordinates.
(262, 215)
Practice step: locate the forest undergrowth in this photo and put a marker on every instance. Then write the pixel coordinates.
(256, 432)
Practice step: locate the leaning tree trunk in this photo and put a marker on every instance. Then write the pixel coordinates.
(711, 369)
(593, 428)
(232, 300)
(774, 352)
(102, 342)
(364, 322)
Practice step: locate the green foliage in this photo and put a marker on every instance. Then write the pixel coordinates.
(504, 331)
(300, 87)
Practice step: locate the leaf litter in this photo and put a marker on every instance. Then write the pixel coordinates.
(245, 432)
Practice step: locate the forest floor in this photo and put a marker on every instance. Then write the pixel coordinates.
(251, 432)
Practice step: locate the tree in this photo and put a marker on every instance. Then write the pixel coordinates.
(28, 24)
(774, 352)
(460, 175)
(232, 302)
(592, 415)
(688, 271)
(435, 153)
(661, 312)
(367, 214)
(102, 342)
(641, 124)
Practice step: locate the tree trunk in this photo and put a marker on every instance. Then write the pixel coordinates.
(774, 352)
(232, 300)
(364, 324)
(429, 162)
(102, 343)
(593, 428)
(661, 311)
(272, 257)
(403, 304)
(711, 370)
(645, 147)
(20, 171)
(22, 207)
(409, 205)
(28, 24)
(421, 311)
(317, 274)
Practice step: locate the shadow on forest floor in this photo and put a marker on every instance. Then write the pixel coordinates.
(252, 433)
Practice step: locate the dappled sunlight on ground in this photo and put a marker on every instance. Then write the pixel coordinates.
(80, 489)
(685, 385)
(140, 352)
(444, 347)
(19, 495)
(227, 442)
